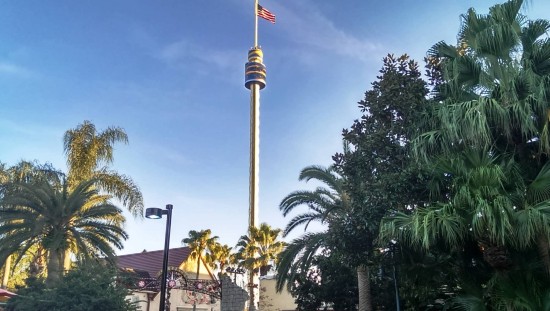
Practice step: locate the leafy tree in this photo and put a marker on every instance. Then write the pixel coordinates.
(56, 219)
(87, 287)
(381, 177)
(326, 283)
(89, 154)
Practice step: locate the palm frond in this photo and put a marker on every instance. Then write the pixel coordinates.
(121, 187)
(297, 256)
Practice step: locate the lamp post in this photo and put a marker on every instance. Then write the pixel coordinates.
(156, 213)
(396, 288)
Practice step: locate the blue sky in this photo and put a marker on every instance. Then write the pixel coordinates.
(171, 74)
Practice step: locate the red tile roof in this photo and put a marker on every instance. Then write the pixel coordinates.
(151, 262)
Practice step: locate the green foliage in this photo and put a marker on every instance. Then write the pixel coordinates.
(325, 204)
(260, 248)
(381, 175)
(374, 175)
(220, 256)
(89, 154)
(54, 219)
(327, 283)
(86, 288)
(485, 141)
(25, 172)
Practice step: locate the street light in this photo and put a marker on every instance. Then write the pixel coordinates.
(156, 213)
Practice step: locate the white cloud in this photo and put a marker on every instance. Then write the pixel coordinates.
(7, 68)
(29, 129)
(182, 51)
(164, 154)
(306, 25)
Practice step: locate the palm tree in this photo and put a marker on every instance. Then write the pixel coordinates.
(258, 251)
(199, 242)
(489, 138)
(490, 217)
(56, 219)
(322, 203)
(24, 171)
(329, 205)
(220, 256)
(297, 257)
(89, 153)
(494, 86)
(260, 248)
(479, 208)
(495, 97)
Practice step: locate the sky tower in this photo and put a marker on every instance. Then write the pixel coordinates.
(255, 75)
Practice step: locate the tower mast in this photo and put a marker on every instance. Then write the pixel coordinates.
(255, 74)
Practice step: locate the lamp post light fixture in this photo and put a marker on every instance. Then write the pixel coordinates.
(156, 213)
(235, 271)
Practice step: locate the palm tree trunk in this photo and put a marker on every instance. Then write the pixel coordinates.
(363, 283)
(252, 300)
(6, 276)
(67, 260)
(198, 267)
(544, 251)
(198, 272)
(54, 266)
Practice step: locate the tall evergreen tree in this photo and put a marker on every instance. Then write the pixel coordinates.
(381, 176)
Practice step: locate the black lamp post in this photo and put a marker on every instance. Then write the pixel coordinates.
(396, 288)
(156, 213)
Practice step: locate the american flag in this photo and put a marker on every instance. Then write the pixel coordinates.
(265, 14)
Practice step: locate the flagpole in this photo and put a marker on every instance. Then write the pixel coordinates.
(255, 23)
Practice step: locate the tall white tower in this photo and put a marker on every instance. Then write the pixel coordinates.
(255, 75)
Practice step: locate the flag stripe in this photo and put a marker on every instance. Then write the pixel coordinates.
(265, 14)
